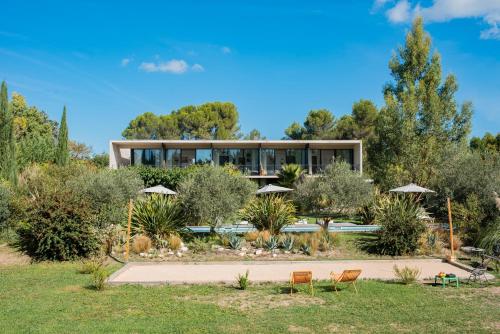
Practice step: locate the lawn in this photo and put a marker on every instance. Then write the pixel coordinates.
(55, 297)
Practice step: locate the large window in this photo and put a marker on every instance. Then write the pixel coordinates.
(146, 157)
(203, 156)
(346, 155)
(267, 161)
(173, 158)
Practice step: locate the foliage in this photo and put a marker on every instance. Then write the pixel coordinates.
(214, 120)
(407, 275)
(490, 240)
(235, 242)
(289, 174)
(101, 160)
(64, 209)
(199, 245)
(360, 124)
(254, 135)
(251, 236)
(305, 248)
(170, 178)
(339, 191)
(5, 206)
(92, 264)
(79, 151)
(243, 281)
(400, 227)
(141, 244)
(489, 143)
(158, 216)
(211, 196)
(287, 242)
(272, 243)
(420, 118)
(62, 152)
(326, 240)
(269, 212)
(309, 243)
(99, 276)
(8, 166)
(319, 124)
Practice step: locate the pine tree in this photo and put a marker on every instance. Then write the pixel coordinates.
(62, 153)
(420, 119)
(8, 168)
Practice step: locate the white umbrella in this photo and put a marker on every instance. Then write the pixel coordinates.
(411, 188)
(271, 188)
(158, 190)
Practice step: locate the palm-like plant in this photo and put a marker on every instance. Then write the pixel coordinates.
(270, 212)
(289, 174)
(158, 217)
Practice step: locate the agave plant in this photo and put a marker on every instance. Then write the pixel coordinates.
(289, 174)
(270, 212)
(235, 242)
(158, 217)
(287, 243)
(272, 243)
(305, 248)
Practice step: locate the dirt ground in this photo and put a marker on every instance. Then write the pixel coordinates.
(9, 256)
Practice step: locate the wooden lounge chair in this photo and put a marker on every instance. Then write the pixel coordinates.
(301, 277)
(347, 276)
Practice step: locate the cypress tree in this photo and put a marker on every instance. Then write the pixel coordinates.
(62, 154)
(7, 141)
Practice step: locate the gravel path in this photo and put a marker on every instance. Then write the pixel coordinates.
(270, 271)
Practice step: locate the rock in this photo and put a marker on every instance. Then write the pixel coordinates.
(287, 252)
(220, 249)
(142, 254)
(275, 255)
(170, 253)
(178, 254)
(161, 256)
(242, 254)
(258, 252)
(184, 249)
(113, 252)
(244, 249)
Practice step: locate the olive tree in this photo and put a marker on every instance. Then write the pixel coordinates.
(339, 191)
(211, 195)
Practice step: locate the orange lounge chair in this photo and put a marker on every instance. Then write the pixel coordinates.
(301, 277)
(347, 276)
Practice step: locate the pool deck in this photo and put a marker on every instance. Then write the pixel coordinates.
(270, 271)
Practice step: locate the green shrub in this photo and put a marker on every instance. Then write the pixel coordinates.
(158, 216)
(272, 243)
(99, 277)
(289, 174)
(199, 245)
(235, 242)
(406, 275)
(170, 177)
(401, 227)
(5, 197)
(243, 281)
(287, 243)
(211, 196)
(305, 248)
(269, 212)
(91, 265)
(490, 240)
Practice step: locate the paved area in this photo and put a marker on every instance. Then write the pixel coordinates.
(270, 271)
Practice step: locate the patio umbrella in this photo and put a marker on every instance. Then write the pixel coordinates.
(271, 188)
(158, 190)
(411, 188)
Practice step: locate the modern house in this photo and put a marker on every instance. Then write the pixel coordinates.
(258, 159)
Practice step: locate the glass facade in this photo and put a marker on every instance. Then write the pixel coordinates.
(146, 157)
(251, 161)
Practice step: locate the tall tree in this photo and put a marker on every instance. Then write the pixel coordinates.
(8, 167)
(214, 120)
(420, 118)
(254, 135)
(62, 153)
(488, 143)
(319, 124)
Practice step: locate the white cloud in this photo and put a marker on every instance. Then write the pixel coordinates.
(400, 12)
(446, 10)
(225, 50)
(377, 4)
(125, 61)
(174, 66)
(197, 68)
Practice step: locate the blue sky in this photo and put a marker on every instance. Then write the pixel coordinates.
(109, 61)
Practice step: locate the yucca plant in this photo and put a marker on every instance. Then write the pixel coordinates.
(269, 212)
(287, 243)
(235, 242)
(158, 217)
(289, 174)
(272, 243)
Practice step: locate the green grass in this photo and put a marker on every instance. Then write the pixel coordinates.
(55, 298)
